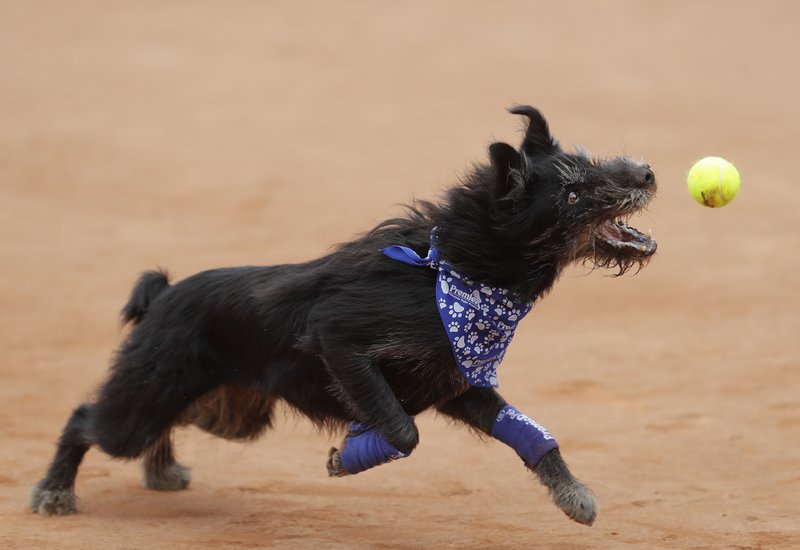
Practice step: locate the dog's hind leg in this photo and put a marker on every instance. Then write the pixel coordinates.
(141, 401)
(55, 494)
(161, 471)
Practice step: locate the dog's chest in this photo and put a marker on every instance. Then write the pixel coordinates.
(426, 380)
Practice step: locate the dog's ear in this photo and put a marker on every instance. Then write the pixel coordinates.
(504, 159)
(537, 135)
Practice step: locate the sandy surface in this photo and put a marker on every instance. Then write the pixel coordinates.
(196, 135)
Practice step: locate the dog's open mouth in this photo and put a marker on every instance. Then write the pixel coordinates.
(619, 238)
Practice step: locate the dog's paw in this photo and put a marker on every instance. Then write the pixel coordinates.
(53, 502)
(173, 477)
(334, 464)
(577, 501)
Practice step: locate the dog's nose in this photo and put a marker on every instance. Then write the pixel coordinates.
(645, 177)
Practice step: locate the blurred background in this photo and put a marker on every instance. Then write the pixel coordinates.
(193, 135)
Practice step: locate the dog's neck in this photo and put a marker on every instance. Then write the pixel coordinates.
(474, 247)
(474, 252)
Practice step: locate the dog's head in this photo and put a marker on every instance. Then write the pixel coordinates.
(566, 203)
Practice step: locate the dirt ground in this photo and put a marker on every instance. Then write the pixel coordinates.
(205, 134)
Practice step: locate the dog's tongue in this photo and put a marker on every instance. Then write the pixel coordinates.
(620, 234)
(612, 232)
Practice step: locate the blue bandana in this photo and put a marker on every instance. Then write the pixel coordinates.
(478, 319)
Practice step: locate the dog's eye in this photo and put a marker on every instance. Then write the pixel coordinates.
(572, 198)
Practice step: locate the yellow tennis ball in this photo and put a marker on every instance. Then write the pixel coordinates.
(713, 181)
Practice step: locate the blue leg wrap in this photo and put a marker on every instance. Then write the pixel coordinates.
(365, 448)
(523, 434)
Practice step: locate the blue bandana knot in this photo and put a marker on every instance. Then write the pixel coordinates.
(479, 319)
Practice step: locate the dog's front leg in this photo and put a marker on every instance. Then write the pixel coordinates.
(485, 410)
(384, 432)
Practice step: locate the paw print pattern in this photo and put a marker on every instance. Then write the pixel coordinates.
(455, 310)
(479, 321)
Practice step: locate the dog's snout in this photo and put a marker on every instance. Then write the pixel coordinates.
(645, 177)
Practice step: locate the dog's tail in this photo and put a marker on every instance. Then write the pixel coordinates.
(149, 285)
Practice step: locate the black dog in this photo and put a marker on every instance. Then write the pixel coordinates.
(354, 335)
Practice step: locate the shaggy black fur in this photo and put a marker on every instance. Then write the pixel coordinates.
(354, 335)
